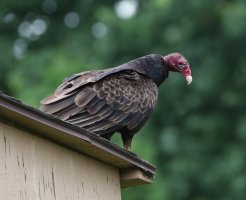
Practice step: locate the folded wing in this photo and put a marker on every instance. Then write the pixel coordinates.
(123, 100)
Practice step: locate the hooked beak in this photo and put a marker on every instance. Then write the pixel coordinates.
(187, 74)
(188, 79)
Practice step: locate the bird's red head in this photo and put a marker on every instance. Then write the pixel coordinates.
(177, 63)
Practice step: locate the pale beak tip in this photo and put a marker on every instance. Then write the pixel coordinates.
(188, 79)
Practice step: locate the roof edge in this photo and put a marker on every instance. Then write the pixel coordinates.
(24, 115)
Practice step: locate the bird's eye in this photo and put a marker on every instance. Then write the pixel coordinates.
(181, 65)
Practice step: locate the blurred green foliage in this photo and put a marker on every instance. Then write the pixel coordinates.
(197, 134)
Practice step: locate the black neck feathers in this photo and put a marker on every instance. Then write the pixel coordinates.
(153, 66)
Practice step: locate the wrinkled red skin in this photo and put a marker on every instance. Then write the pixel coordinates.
(175, 60)
(187, 71)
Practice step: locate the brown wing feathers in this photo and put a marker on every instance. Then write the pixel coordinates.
(122, 101)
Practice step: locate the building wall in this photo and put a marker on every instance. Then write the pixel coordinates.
(33, 168)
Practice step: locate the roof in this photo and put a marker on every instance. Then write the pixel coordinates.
(133, 170)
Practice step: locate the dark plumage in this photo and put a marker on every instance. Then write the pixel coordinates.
(116, 99)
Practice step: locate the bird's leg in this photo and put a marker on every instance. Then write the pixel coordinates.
(127, 140)
(127, 146)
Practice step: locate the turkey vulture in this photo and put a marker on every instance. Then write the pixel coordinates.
(118, 99)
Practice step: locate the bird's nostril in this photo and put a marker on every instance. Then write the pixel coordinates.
(187, 71)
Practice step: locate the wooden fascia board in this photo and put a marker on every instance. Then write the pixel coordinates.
(80, 140)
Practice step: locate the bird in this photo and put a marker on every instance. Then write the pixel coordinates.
(118, 99)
